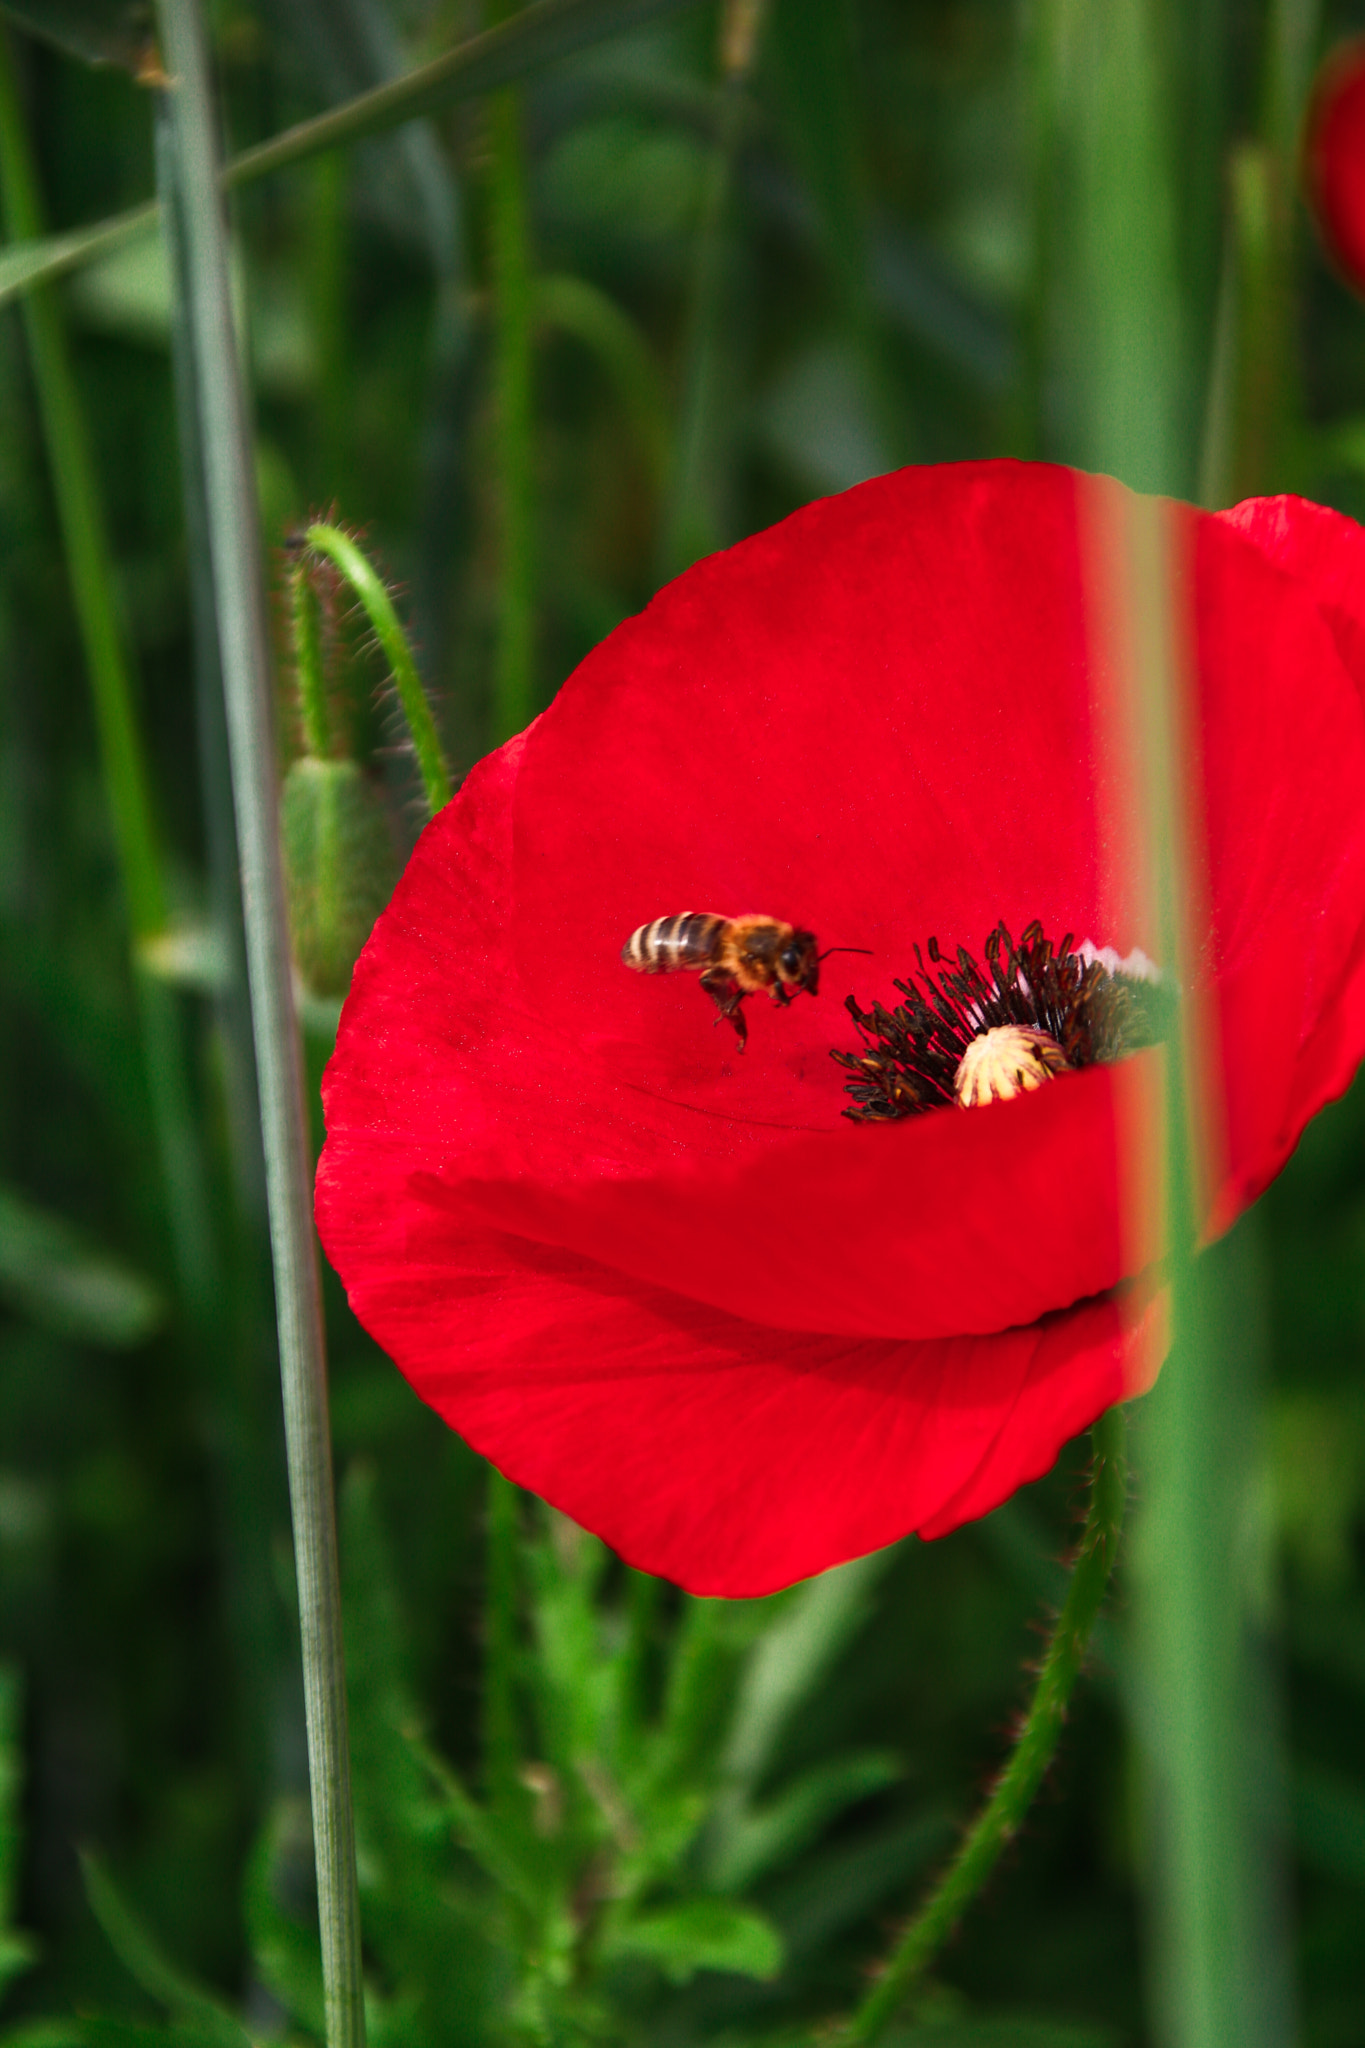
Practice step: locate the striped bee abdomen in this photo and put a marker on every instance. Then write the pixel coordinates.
(685, 941)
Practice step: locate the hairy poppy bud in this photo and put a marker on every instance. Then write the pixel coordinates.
(339, 867)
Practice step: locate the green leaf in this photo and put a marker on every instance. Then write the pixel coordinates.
(765, 1840)
(46, 257)
(50, 1272)
(436, 1955)
(701, 1934)
(200, 2015)
(791, 1658)
(284, 1949)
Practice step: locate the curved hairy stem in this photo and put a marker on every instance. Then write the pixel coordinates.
(372, 592)
(1014, 1789)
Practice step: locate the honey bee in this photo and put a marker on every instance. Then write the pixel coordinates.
(735, 956)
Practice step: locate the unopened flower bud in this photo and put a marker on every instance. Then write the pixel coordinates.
(1008, 1060)
(339, 867)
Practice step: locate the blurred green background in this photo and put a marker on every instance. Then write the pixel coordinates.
(544, 348)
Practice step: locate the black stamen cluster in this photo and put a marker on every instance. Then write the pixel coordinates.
(913, 1052)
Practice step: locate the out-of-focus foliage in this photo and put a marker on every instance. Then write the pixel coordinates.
(878, 241)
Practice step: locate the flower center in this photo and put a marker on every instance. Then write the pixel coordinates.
(965, 1034)
(1007, 1060)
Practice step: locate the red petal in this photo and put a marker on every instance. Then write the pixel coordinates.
(1324, 554)
(854, 1230)
(731, 1458)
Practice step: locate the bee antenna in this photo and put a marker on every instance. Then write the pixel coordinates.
(844, 949)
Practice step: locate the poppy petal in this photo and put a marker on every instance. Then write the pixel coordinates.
(729, 1457)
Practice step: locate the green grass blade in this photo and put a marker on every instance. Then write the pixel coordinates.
(1218, 1971)
(540, 35)
(690, 523)
(1214, 1954)
(51, 1272)
(148, 1964)
(239, 585)
(513, 418)
(42, 259)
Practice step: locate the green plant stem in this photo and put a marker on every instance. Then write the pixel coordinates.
(514, 426)
(689, 525)
(239, 586)
(1218, 1971)
(306, 648)
(1249, 401)
(369, 587)
(1000, 1818)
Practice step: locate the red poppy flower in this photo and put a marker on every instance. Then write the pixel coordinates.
(675, 1290)
(1334, 157)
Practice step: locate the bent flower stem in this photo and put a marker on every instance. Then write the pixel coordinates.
(1000, 1818)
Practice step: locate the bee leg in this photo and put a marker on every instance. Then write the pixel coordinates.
(781, 994)
(728, 998)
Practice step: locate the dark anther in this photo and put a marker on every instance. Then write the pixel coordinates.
(911, 1054)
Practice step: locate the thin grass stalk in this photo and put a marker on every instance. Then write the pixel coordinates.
(1213, 1946)
(1249, 400)
(123, 761)
(327, 278)
(1217, 1976)
(369, 588)
(1292, 34)
(514, 420)
(1014, 1791)
(220, 833)
(540, 35)
(239, 585)
(686, 528)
